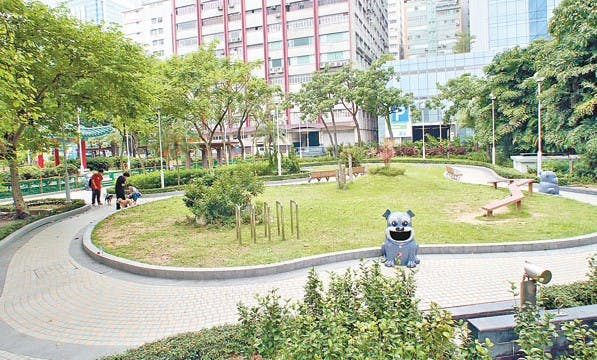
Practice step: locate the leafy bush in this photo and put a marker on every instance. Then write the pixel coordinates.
(35, 172)
(575, 294)
(222, 342)
(386, 170)
(361, 315)
(99, 162)
(151, 180)
(213, 198)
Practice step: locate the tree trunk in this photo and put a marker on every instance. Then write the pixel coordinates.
(356, 124)
(335, 134)
(389, 127)
(21, 210)
(240, 140)
(327, 129)
(188, 162)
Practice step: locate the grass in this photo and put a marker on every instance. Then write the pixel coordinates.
(332, 220)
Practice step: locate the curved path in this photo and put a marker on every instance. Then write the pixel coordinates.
(56, 303)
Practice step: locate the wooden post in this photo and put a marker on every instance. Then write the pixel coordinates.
(253, 228)
(238, 232)
(295, 205)
(280, 219)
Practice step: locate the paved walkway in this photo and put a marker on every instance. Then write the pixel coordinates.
(56, 303)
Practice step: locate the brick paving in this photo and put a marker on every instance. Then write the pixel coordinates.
(55, 305)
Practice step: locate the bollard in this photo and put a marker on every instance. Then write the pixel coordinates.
(238, 220)
(267, 221)
(278, 216)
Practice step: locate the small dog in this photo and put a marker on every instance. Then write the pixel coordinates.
(108, 199)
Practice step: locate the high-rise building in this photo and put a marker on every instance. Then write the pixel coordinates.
(96, 11)
(495, 26)
(395, 32)
(293, 38)
(431, 26)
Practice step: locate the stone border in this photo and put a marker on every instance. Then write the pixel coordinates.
(225, 273)
(41, 222)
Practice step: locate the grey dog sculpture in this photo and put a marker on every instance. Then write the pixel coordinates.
(400, 247)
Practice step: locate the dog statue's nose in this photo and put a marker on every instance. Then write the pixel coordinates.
(400, 228)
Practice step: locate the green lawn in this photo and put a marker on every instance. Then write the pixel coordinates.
(332, 220)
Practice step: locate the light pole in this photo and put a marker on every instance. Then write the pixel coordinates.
(300, 141)
(278, 156)
(423, 122)
(80, 139)
(539, 80)
(160, 138)
(492, 97)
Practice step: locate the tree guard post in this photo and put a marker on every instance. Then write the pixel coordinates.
(253, 231)
(296, 215)
(280, 219)
(237, 221)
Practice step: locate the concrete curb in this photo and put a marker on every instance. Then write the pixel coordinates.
(41, 222)
(225, 273)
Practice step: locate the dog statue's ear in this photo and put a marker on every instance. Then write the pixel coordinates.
(387, 213)
(410, 213)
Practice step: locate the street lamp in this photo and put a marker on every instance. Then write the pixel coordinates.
(492, 97)
(160, 138)
(539, 80)
(423, 122)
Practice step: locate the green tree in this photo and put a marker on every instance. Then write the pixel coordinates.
(463, 42)
(316, 100)
(81, 64)
(204, 89)
(569, 66)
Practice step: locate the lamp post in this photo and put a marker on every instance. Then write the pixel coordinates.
(300, 141)
(423, 122)
(539, 80)
(160, 139)
(278, 156)
(492, 97)
(80, 139)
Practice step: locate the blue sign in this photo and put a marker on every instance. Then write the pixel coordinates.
(400, 122)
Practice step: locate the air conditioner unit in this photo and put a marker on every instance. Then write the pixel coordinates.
(231, 5)
(280, 70)
(278, 15)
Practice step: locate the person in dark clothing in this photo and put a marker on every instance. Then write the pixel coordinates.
(119, 188)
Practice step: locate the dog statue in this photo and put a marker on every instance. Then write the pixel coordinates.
(400, 247)
(548, 183)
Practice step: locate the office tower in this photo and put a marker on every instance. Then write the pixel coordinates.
(96, 11)
(151, 26)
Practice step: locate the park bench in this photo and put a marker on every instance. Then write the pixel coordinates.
(516, 196)
(518, 182)
(358, 170)
(453, 173)
(320, 174)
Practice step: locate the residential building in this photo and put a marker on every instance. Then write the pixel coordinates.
(292, 38)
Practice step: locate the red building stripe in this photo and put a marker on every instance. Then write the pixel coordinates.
(265, 41)
(174, 44)
(226, 26)
(199, 23)
(243, 16)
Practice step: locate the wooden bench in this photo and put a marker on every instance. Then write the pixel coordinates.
(517, 182)
(453, 173)
(320, 174)
(516, 196)
(489, 208)
(358, 170)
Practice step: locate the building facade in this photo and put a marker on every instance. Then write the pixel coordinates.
(96, 11)
(496, 25)
(292, 38)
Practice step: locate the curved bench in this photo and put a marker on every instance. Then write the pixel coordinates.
(515, 197)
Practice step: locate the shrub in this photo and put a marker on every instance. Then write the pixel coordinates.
(575, 294)
(386, 170)
(362, 315)
(221, 342)
(213, 198)
(96, 163)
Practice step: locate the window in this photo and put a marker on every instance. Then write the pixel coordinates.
(155, 32)
(275, 45)
(301, 60)
(188, 25)
(335, 37)
(304, 41)
(157, 42)
(276, 63)
(192, 41)
(185, 10)
(156, 20)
